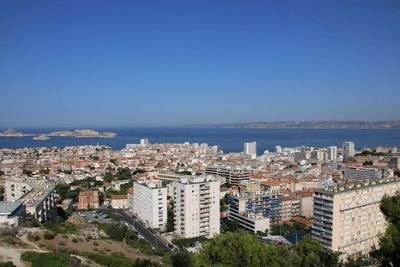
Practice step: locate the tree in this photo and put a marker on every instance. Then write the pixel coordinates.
(181, 259)
(240, 250)
(388, 253)
(309, 253)
(62, 190)
(108, 177)
(170, 217)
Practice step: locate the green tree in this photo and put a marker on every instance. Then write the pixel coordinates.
(62, 190)
(170, 217)
(310, 253)
(240, 250)
(388, 253)
(108, 177)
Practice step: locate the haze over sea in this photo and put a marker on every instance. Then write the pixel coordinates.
(229, 139)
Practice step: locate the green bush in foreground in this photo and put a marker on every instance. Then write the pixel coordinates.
(119, 260)
(49, 259)
(7, 264)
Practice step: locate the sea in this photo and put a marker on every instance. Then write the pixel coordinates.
(228, 139)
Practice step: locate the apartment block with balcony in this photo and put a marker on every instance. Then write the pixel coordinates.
(249, 210)
(150, 203)
(196, 208)
(348, 218)
(234, 175)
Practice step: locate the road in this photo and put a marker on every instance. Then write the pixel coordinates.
(156, 240)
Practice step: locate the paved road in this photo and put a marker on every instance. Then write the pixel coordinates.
(156, 240)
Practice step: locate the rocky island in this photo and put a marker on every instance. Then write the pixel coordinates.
(83, 133)
(11, 133)
(41, 137)
(65, 133)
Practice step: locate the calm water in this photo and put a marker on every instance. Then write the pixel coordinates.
(230, 140)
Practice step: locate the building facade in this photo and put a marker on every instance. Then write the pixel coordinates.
(250, 150)
(233, 174)
(150, 202)
(348, 150)
(89, 199)
(196, 207)
(348, 219)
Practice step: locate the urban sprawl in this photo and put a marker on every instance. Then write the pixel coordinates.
(191, 191)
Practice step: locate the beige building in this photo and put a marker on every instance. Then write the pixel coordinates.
(290, 208)
(196, 208)
(119, 201)
(88, 199)
(348, 219)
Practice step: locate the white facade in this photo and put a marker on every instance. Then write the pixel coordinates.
(332, 153)
(250, 149)
(196, 208)
(348, 150)
(144, 141)
(150, 203)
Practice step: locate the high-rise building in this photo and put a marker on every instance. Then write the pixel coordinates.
(278, 149)
(348, 218)
(196, 207)
(348, 150)
(250, 149)
(144, 141)
(150, 202)
(332, 153)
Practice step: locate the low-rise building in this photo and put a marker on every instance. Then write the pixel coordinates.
(12, 213)
(89, 199)
(119, 201)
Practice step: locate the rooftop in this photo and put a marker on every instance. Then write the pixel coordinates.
(7, 208)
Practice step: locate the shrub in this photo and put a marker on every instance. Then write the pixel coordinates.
(95, 243)
(74, 240)
(7, 264)
(62, 243)
(50, 259)
(48, 235)
(33, 236)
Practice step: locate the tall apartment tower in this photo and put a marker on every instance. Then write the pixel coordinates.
(196, 208)
(332, 153)
(348, 150)
(144, 142)
(150, 202)
(348, 219)
(250, 149)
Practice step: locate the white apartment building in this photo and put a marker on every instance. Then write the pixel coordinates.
(250, 149)
(348, 219)
(144, 142)
(37, 193)
(348, 150)
(150, 202)
(196, 208)
(332, 153)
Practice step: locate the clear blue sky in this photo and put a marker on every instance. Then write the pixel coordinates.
(157, 63)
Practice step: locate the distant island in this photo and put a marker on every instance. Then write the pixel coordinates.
(67, 133)
(394, 124)
(83, 133)
(11, 133)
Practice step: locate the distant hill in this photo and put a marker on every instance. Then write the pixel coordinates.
(395, 124)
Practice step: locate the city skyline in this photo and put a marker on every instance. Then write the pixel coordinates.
(102, 64)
